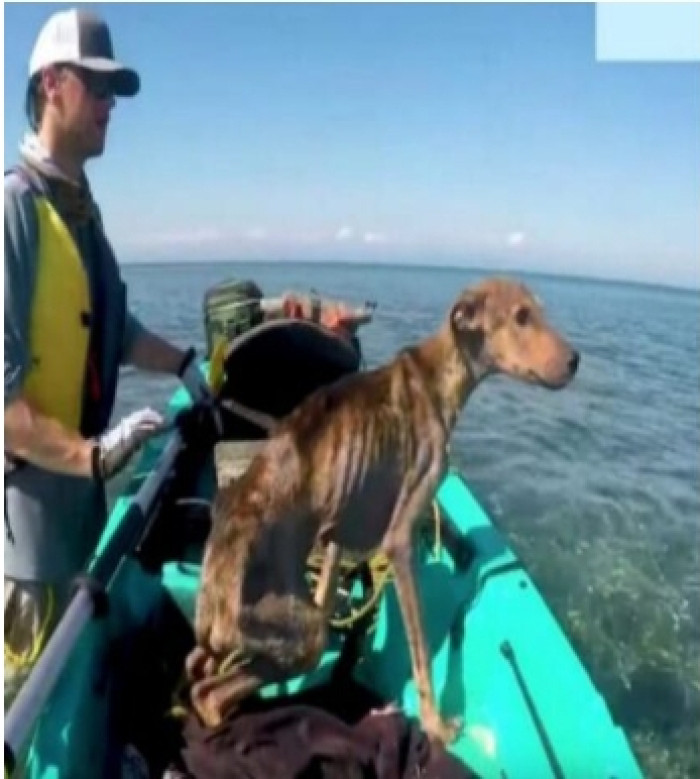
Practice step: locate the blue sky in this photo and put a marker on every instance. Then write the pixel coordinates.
(467, 134)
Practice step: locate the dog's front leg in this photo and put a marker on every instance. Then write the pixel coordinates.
(415, 493)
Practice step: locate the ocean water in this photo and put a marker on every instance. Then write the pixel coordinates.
(597, 487)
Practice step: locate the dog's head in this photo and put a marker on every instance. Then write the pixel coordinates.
(499, 327)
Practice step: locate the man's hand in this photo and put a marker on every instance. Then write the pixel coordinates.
(46, 443)
(115, 448)
(193, 379)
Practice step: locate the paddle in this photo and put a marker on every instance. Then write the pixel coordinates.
(88, 602)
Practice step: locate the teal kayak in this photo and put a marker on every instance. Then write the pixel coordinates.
(501, 663)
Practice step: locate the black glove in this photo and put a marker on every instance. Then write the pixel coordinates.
(201, 424)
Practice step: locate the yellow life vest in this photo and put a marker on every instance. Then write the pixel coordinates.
(59, 328)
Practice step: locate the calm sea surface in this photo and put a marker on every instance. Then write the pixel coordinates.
(596, 487)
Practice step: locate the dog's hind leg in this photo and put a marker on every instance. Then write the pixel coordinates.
(279, 637)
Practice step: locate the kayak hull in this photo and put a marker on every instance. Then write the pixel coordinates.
(501, 663)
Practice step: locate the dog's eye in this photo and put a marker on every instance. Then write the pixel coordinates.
(522, 316)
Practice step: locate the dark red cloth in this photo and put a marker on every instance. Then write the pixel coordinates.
(306, 742)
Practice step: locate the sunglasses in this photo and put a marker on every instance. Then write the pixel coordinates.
(97, 85)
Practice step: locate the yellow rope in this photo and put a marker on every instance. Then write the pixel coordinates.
(26, 659)
(380, 571)
(236, 657)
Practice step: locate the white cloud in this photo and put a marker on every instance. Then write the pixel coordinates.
(516, 238)
(347, 233)
(344, 234)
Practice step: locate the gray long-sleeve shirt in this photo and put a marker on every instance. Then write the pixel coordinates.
(52, 521)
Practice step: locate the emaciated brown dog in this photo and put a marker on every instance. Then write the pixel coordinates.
(353, 467)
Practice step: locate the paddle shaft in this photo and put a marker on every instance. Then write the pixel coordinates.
(33, 694)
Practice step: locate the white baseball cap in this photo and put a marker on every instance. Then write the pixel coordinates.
(81, 38)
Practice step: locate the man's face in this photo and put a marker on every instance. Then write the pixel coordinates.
(79, 103)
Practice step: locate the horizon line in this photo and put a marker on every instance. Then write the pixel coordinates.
(566, 276)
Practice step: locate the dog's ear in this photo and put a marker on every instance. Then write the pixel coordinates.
(467, 315)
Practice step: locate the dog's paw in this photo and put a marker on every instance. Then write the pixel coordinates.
(442, 732)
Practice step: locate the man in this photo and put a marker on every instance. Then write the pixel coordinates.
(67, 330)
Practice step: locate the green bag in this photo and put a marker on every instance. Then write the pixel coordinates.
(230, 308)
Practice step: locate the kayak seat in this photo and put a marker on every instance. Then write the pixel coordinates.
(268, 369)
(272, 368)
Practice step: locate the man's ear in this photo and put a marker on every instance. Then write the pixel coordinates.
(49, 79)
(467, 315)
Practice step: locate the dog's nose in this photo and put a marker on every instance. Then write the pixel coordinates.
(573, 362)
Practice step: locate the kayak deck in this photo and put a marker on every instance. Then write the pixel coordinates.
(500, 661)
